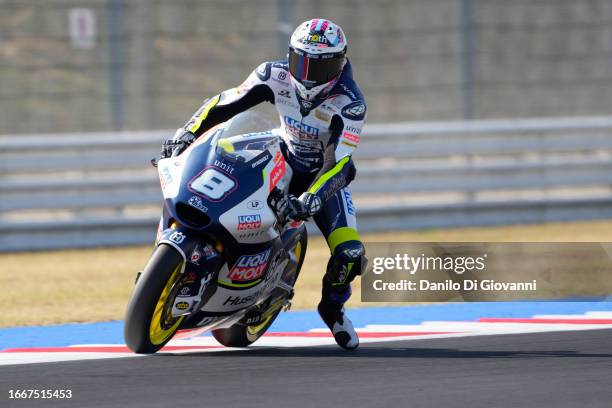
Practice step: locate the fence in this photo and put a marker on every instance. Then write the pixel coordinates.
(80, 190)
(148, 64)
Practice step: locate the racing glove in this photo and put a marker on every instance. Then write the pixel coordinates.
(287, 207)
(175, 146)
(310, 203)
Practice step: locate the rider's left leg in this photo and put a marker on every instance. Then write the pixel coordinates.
(337, 223)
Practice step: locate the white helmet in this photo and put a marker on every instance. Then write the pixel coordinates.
(316, 57)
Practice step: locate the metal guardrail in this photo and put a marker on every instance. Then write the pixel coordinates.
(74, 190)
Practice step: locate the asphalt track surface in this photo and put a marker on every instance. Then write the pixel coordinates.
(556, 369)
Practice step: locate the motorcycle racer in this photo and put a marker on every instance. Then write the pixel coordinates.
(322, 112)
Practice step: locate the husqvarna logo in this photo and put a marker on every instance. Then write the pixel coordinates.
(177, 237)
(301, 130)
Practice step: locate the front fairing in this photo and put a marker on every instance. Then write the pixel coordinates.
(204, 182)
(221, 185)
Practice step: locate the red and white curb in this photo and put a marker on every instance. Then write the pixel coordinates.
(321, 337)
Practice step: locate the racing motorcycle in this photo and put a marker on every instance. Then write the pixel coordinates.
(224, 260)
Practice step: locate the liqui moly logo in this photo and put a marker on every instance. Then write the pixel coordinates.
(247, 222)
(250, 267)
(301, 130)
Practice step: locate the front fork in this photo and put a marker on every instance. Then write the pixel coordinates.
(201, 260)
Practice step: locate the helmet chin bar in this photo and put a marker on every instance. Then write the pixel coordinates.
(312, 93)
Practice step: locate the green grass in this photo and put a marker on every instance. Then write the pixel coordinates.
(94, 284)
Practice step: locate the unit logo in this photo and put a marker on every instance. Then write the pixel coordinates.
(250, 267)
(224, 166)
(247, 222)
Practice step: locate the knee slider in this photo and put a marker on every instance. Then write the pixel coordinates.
(347, 262)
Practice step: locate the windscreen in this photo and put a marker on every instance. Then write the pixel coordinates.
(245, 148)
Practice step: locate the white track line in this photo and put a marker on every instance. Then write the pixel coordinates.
(457, 329)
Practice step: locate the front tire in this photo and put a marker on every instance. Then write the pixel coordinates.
(148, 322)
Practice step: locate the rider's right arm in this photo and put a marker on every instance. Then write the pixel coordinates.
(231, 102)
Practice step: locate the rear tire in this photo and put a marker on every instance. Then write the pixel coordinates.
(148, 323)
(243, 335)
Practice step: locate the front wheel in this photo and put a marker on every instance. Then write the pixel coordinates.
(149, 324)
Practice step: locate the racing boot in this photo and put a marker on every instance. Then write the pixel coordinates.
(331, 310)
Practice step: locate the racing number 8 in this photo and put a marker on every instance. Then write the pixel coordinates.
(212, 183)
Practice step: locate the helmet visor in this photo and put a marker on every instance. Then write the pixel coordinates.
(310, 70)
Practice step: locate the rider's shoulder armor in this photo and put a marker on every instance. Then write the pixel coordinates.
(273, 74)
(346, 97)
(347, 102)
(279, 75)
(263, 71)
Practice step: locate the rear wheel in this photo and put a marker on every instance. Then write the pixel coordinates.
(242, 334)
(149, 324)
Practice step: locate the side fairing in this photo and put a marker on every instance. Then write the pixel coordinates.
(219, 187)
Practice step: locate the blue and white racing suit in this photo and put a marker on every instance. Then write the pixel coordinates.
(319, 138)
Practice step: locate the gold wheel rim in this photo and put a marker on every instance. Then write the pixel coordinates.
(253, 330)
(157, 334)
(298, 251)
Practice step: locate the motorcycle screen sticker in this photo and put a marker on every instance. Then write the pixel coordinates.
(255, 205)
(213, 184)
(209, 252)
(195, 257)
(196, 202)
(248, 222)
(170, 171)
(278, 171)
(165, 177)
(249, 268)
(177, 237)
